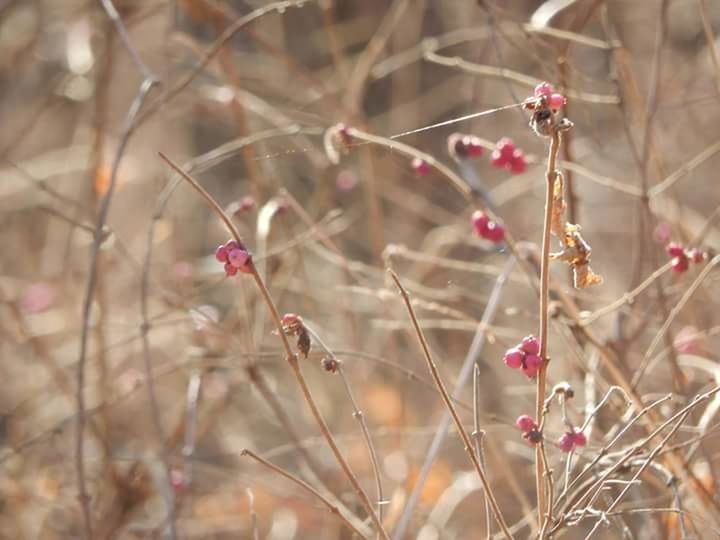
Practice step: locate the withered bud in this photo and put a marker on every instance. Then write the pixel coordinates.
(564, 388)
(330, 364)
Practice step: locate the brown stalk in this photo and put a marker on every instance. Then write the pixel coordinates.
(550, 175)
(451, 408)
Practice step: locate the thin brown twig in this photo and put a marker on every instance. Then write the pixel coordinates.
(291, 357)
(83, 495)
(307, 487)
(451, 408)
(359, 416)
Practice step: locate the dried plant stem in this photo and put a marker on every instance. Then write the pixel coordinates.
(451, 408)
(360, 417)
(307, 487)
(290, 355)
(550, 175)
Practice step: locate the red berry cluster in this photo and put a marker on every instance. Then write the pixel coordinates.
(235, 257)
(525, 356)
(487, 228)
(507, 156)
(464, 146)
(530, 430)
(682, 257)
(569, 440)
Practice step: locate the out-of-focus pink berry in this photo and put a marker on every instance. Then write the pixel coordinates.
(506, 148)
(420, 166)
(566, 442)
(543, 89)
(37, 298)
(221, 254)
(579, 438)
(680, 264)
(183, 270)
(177, 481)
(514, 358)
(246, 203)
(531, 345)
(238, 257)
(230, 245)
(525, 423)
(556, 101)
(662, 233)
(675, 250)
(230, 270)
(497, 159)
(464, 146)
(473, 146)
(688, 341)
(518, 165)
(697, 255)
(346, 180)
(480, 222)
(495, 232)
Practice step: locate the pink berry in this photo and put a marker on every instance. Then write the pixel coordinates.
(566, 442)
(346, 180)
(420, 167)
(497, 159)
(514, 358)
(675, 250)
(473, 146)
(518, 164)
(289, 319)
(543, 89)
(230, 270)
(480, 222)
(238, 257)
(246, 268)
(530, 345)
(37, 298)
(495, 232)
(687, 341)
(680, 264)
(505, 147)
(177, 480)
(221, 254)
(579, 438)
(532, 365)
(525, 423)
(697, 255)
(662, 233)
(230, 245)
(556, 101)
(246, 204)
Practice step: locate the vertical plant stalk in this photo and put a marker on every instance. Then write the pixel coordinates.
(291, 357)
(451, 408)
(550, 175)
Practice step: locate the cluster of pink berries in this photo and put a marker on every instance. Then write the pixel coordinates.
(507, 156)
(681, 257)
(545, 90)
(569, 440)
(530, 430)
(235, 257)
(487, 228)
(464, 146)
(525, 356)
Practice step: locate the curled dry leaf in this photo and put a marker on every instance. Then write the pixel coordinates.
(576, 253)
(293, 325)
